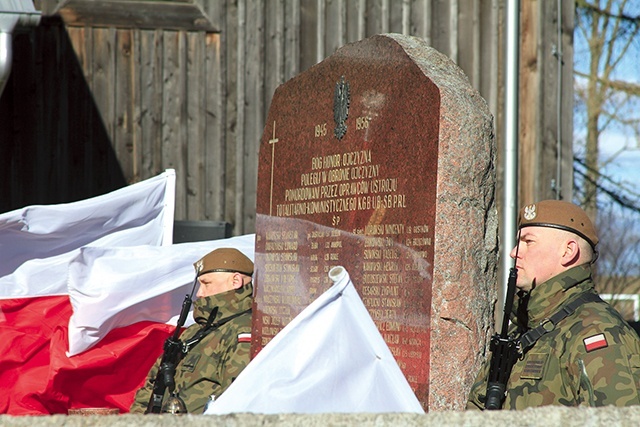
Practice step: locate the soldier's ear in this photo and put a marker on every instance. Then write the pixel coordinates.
(237, 281)
(571, 252)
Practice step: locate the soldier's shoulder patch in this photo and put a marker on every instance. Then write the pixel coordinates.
(595, 342)
(534, 366)
(245, 337)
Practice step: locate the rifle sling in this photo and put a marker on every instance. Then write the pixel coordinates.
(210, 327)
(532, 335)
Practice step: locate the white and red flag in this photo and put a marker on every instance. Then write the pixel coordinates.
(88, 294)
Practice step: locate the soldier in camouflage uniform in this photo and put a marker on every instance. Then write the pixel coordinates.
(212, 363)
(592, 356)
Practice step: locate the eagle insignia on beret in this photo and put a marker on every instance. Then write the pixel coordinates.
(199, 266)
(529, 212)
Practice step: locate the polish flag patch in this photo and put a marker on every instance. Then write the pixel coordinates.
(595, 342)
(246, 337)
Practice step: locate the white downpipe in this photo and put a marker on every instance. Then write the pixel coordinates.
(6, 57)
(13, 14)
(510, 195)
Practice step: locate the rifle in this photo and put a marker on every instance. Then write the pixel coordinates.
(504, 348)
(170, 359)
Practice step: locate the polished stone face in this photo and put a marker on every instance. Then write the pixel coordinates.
(348, 175)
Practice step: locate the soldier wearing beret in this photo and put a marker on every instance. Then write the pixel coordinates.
(591, 356)
(219, 341)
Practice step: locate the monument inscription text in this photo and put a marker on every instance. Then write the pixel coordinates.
(365, 201)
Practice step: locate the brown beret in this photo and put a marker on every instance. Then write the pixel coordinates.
(224, 260)
(559, 214)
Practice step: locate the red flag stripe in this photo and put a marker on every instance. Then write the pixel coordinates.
(595, 342)
(41, 379)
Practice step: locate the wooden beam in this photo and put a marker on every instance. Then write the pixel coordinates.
(185, 15)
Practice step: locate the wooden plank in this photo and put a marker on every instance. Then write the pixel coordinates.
(292, 41)
(335, 26)
(196, 138)
(174, 15)
(235, 147)
(373, 24)
(385, 16)
(274, 48)
(309, 34)
(247, 148)
(568, 27)
(529, 102)
(103, 91)
(440, 25)
(420, 19)
(55, 93)
(216, 11)
(453, 30)
(397, 17)
(548, 102)
(555, 163)
(22, 124)
(215, 141)
(321, 24)
(136, 128)
(151, 96)
(490, 71)
(83, 106)
(124, 94)
(356, 22)
(232, 41)
(468, 40)
(173, 114)
(42, 75)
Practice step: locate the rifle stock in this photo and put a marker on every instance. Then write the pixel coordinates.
(504, 351)
(170, 359)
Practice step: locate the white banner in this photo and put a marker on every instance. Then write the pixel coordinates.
(330, 358)
(115, 287)
(37, 243)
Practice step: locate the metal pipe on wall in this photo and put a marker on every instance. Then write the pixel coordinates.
(510, 186)
(13, 14)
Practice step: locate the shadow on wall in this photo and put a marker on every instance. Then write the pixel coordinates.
(53, 144)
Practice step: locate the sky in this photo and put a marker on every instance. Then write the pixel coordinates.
(621, 142)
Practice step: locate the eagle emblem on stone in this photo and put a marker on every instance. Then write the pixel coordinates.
(341, 107)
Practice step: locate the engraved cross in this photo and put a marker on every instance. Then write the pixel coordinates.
(272, 141)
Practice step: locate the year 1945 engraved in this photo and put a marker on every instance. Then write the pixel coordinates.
(321, 130)
(362, 123)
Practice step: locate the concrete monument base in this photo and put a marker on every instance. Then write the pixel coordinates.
(539, 417)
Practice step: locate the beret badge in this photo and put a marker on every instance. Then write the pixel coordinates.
(529, 212)
(199, 265)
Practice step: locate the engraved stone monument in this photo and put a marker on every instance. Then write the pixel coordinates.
(381, 159)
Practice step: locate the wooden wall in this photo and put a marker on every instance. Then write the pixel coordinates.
(117, 92)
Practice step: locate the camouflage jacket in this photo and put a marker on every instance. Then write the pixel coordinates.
(590, 358)
(212, 364)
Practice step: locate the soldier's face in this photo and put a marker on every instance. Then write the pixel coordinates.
(214, 283)
(539, 254)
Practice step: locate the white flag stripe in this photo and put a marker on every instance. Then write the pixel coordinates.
(115, 287)
(38, 242)
(594, 339)
(330, 358)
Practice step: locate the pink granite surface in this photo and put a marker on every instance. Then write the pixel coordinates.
(380, 159)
